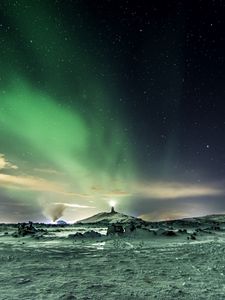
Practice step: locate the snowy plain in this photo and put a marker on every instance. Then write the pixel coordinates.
(135, 267)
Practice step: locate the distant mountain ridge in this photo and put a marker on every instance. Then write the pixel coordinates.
(106, 218)
(205, 221)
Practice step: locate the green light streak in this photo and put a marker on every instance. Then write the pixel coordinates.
(83, 136)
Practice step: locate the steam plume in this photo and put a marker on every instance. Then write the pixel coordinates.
(55, 211)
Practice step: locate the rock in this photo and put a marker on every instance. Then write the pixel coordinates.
(183, 231)
(216, 227)
(130, 228)
(91, 234)
(169, 233)
(115, 229)
(15, 234)
(69, 296)
(160, 231)
(38, 235)
(23, 281)
(76, 235)
(192, 237)
(26, 229)
(144, 233)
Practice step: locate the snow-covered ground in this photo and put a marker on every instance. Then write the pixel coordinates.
(132, 267)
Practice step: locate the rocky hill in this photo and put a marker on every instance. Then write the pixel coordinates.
(111, 217)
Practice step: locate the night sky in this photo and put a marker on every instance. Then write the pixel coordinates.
(111, 100)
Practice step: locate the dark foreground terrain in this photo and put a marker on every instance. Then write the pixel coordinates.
(137, 266)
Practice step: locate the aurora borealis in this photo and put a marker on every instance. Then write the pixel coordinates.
(99, 101)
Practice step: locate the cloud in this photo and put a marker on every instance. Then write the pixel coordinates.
(151, 190)
(186, 210)
(36, 184)
(162, 190)
(96, 188)
(174, 190)
(48, 171)
(117, 193)
(5, 164)
(26, 182)
(73, 205)
(81, 195)
(159, 216)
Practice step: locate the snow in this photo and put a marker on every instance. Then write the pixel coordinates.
(137, 266)
(108, 218)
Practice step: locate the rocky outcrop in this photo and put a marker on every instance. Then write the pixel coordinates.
(88, 234)
(28, 229)
(129, 228)
(91, 234)
(169, 233)
(115, 229)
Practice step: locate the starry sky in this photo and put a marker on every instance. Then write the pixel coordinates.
(105, 101)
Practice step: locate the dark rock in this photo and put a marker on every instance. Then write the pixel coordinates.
(115, 229)
(23, 281)
(92, 234)
(216, 227)
(130, 228)
(26, 229)
(183, 231)
(69, 296)
(89, 234)
(15, 234)
(112, 210)
(191, 237)
(169, 233)
(76, 235)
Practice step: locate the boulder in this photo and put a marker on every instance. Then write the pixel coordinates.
(130, 228)
(88, 234)
(76, 235)
(92, 234)
(169, 233)
(26, 229)
(115, 229)
(183, 231)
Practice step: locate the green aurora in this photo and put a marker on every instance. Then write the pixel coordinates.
(64, 138)
(82, 141)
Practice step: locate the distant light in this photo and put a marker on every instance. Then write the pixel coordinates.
(112, 203)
